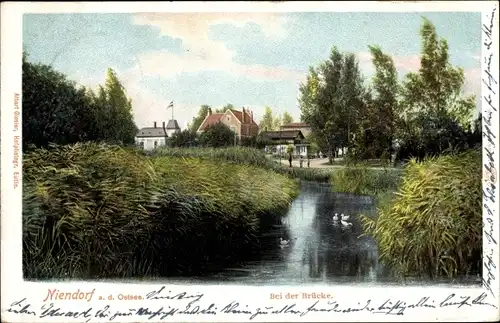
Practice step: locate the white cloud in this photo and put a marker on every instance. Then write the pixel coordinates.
(204, 54)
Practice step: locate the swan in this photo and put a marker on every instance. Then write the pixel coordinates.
(284, 242)
(346, 224)
(344, 217)
(336, 217)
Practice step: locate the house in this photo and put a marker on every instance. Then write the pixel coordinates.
(172, 127)
(151, 137)
(277, 142)
(303, 127)
(241, 122)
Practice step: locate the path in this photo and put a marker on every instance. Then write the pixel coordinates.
(320, 163)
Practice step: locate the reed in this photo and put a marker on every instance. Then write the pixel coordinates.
(365, 181)
(246, 156)
(433, 225)
(95, 211)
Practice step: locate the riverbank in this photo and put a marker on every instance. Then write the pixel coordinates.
(99, 211)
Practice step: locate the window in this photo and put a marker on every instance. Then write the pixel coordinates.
(228, 118)
(156, 143)
(233, 128)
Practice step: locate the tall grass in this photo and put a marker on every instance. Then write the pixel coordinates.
(433, 226)
(246, 156)
(364, 181)
(103, 211)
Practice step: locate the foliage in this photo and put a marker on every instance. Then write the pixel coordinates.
(433, 103)
(55, 110)
(290, 149)
(202, 114)
(228, 106)
(94, 211)
(185, 138)
(362, 180)
(433, 226)
(332, 100)
(286, 118)
(218, 135)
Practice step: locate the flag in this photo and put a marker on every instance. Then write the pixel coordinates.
(170, 105)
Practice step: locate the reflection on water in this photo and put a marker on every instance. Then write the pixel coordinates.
(320, 250)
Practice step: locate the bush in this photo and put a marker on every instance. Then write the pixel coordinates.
(104, 211)
(433, 226)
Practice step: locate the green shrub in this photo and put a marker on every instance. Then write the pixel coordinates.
(433, 225)
(98, 210)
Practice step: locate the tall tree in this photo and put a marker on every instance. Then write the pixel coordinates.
(202, 113)
(119, 122)
(436, 89)
(286, 118)
(385, 114)
(267, 122)
(334, 109)
(437, 113)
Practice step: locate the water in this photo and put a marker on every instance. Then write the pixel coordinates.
(320, 252)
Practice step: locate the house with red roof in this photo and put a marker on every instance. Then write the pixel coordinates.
(241, 122)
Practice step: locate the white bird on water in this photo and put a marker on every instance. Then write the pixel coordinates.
(284, 242)
(344, 217)
(336, 217)
(346, 224)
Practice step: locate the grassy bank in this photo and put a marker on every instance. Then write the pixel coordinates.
(103, 211)
(247, 156)
(364, 181)
(432, 226)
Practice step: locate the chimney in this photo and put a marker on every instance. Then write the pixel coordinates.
(163, 124)
(243, 115)
(155, 124)
(209, 112)
(251, 114)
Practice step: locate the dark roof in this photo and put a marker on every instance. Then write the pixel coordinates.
(152, 132)
(296, 125)
(172, 124)
(239, 116)
(211, 120)
(283, 135)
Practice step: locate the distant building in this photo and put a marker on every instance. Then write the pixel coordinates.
(277, 142)
(303, 127)
(152, 137)
(241, 122)
(172, 127)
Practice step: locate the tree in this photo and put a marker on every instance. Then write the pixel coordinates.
(202, 113)
(433, 102)
(54, 110)
(287, 118)
(218, 135)
(228, 106)
(118, 118)
(379, 119)
(436, 89)
(185, 138)
(331, 100)
(267, 122)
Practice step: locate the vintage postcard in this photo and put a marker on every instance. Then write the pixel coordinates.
(249, 161)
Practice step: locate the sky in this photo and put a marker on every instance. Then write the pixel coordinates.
(246, 59)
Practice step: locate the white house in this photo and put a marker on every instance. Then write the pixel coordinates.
(172, 127)
(151, 137)
(278, 141)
